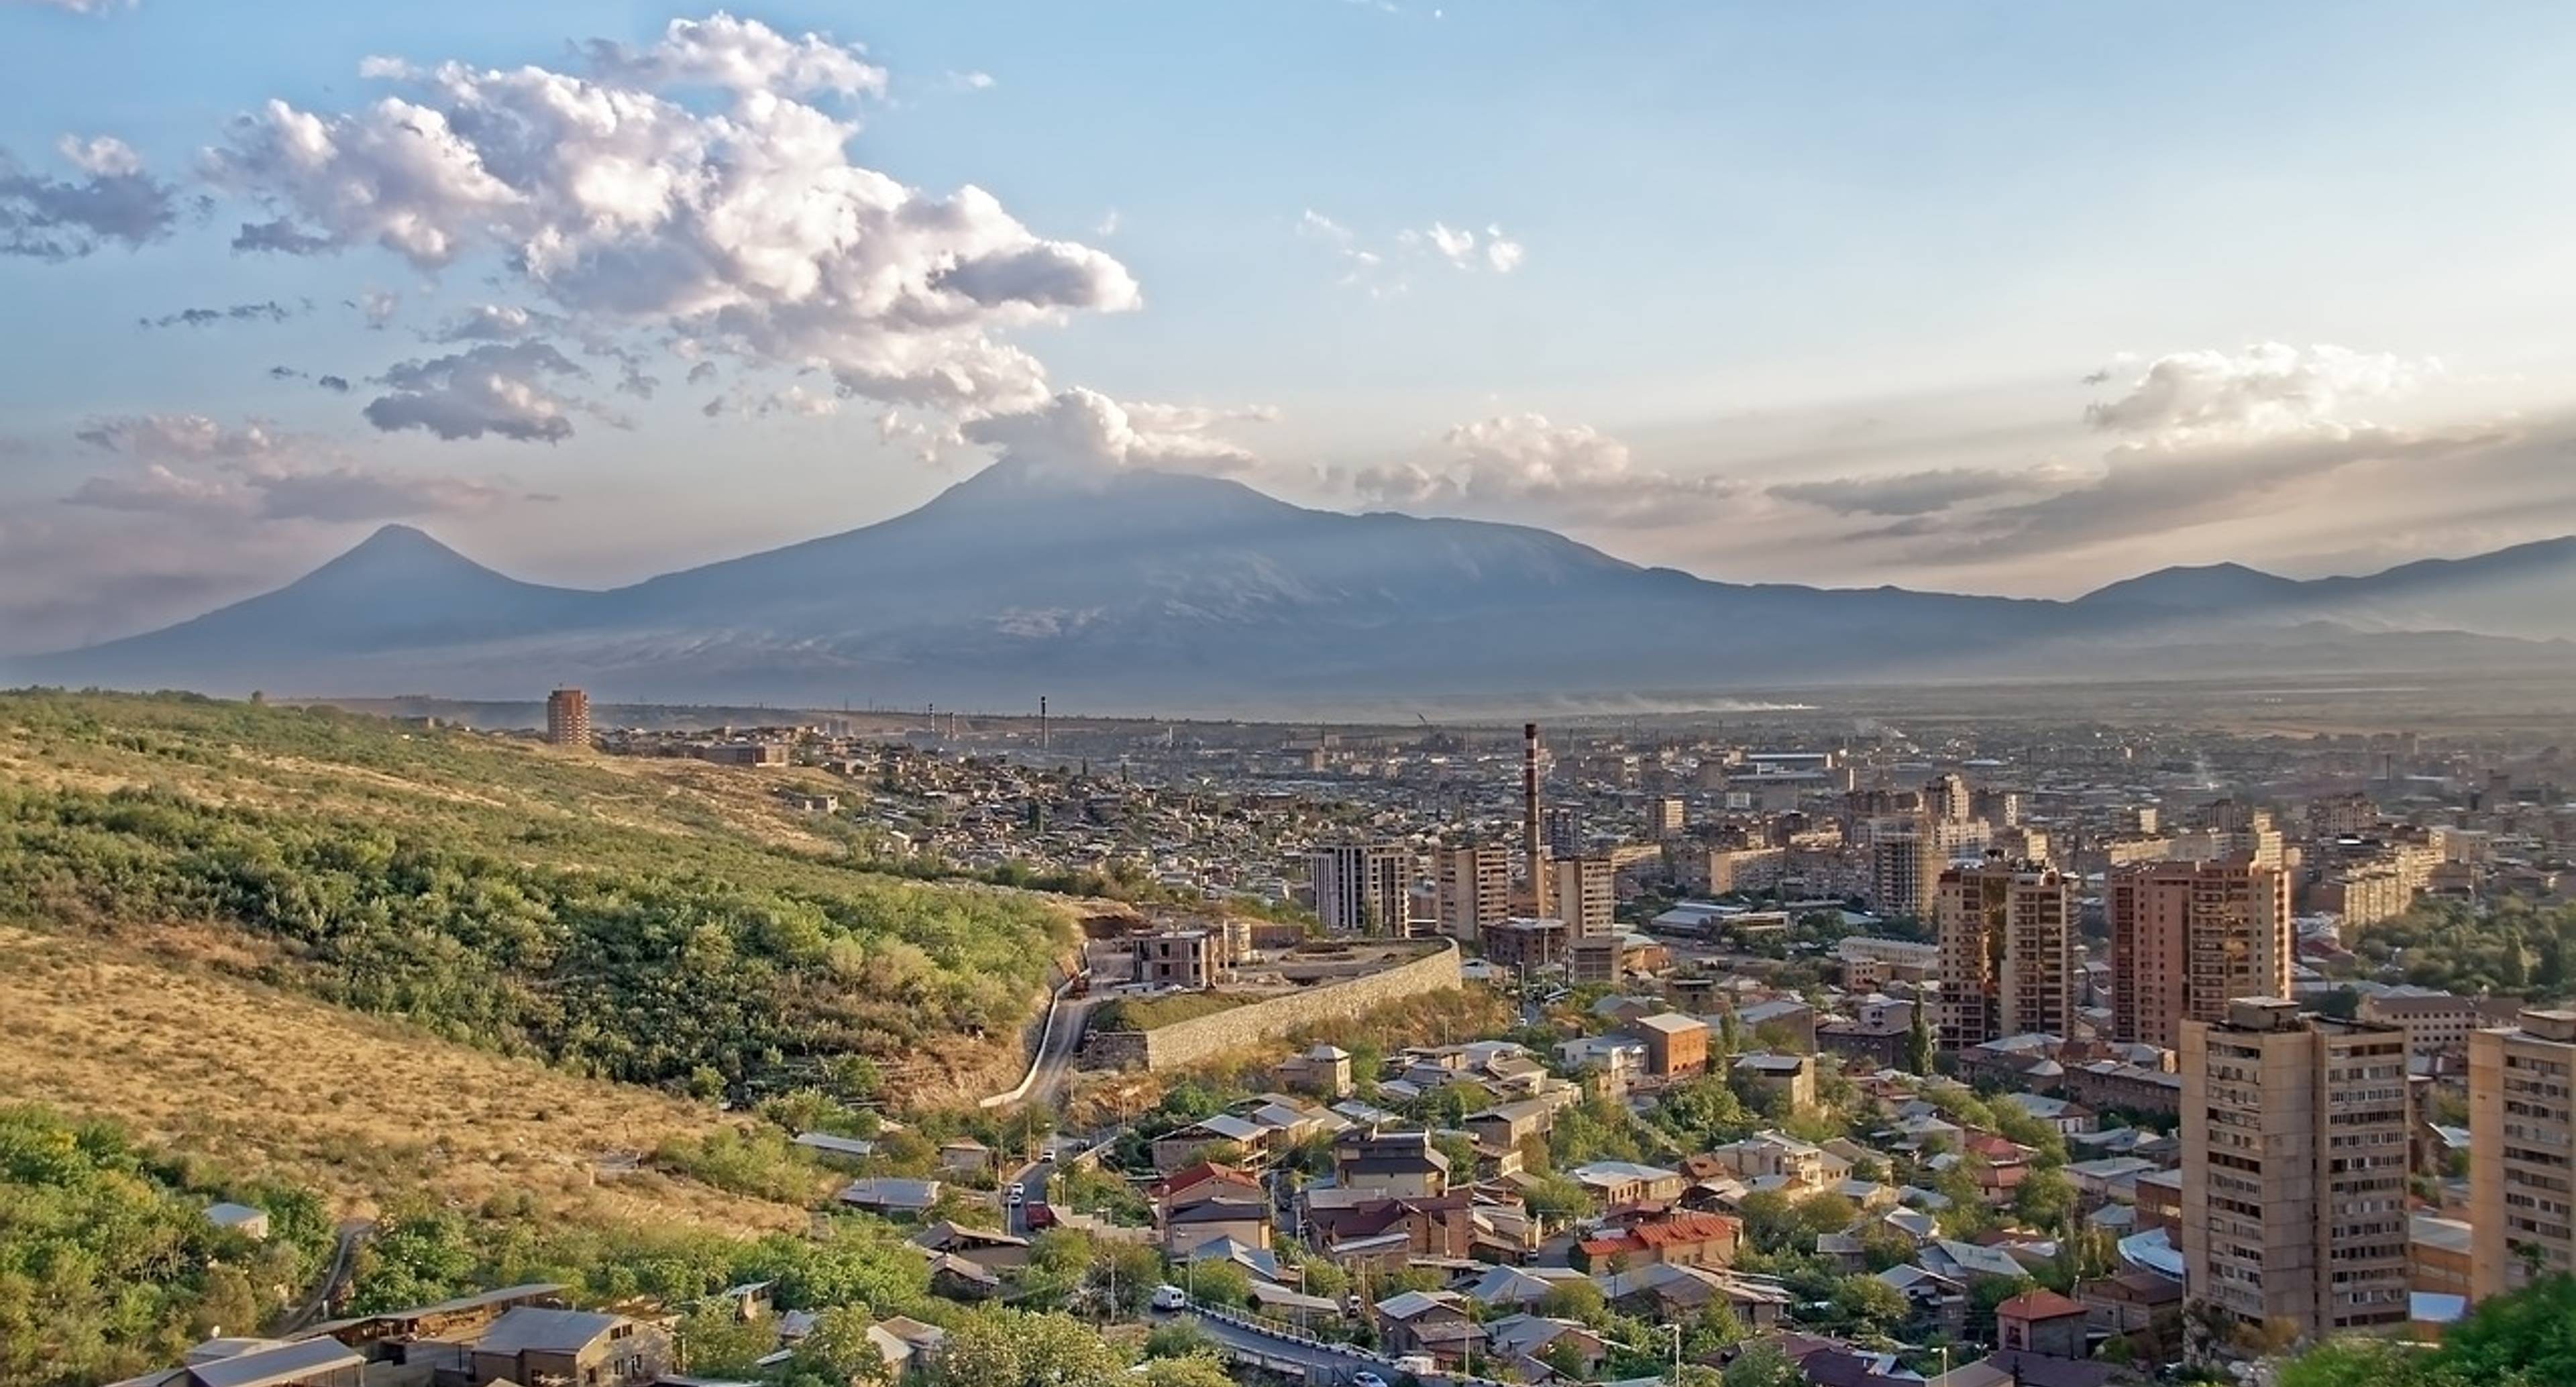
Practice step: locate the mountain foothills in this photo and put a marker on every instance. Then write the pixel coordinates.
(1136, 590)
(631, 920)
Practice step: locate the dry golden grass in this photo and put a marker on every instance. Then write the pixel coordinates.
(359, 1109)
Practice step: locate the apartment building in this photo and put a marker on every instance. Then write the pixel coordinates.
(1474, 889)
(1363, 888)
(2436, 1022)
(2522, 1150)
(568, 718)
(2007, 952)
(2188, 936)
(1585, 896)
(2294, 1147)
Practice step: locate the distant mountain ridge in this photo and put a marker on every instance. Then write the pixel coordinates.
(1148, 590)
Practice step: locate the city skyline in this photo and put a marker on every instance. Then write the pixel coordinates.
(1663, 290)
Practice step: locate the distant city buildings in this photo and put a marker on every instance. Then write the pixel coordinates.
(568, 718)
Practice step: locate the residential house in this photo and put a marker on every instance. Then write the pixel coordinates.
(1790, 1078)
(1435, 1323)
(261, 1363)
(1688, 1240)
(2130, 1301)
(1240, 1138)
(1324, 1071)
(2045, 1322)
(965, 1156)
(239, 1218)
(2063, 1115)
(994, 1251)
(1615, 1183)
(1505, 1126)
(1676, 1045)
(907, 1345)
(1534, 1347)
(1400, 1164)
(878, 1194)
(1354, 1228)
(577, 1347)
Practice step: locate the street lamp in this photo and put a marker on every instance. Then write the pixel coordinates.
(1676, 1329)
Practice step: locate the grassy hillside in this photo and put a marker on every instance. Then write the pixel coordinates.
(651, 921)
(364, 1112)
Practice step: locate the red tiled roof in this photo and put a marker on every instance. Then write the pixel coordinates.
(1190, 1177)
(2042, 1304)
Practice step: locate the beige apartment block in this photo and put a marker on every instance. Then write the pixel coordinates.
(2294, 1149)
(2522, 1150)
(2007, 952)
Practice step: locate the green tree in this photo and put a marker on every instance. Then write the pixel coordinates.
(2045, 1199)
(1195, 1370)
(838, 1349)
(1004, 1348)
(1918, 1040)
(1763, 1364)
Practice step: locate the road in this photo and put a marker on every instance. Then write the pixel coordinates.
(1052, 1064)
(344, 1258)
(1313, 1360)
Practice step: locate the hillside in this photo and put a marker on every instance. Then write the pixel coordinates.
(652, 921)
(363, 1112)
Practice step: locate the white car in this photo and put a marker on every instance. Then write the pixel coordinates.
(1017, 1194)
(1365, 1378)
(1170, 1297)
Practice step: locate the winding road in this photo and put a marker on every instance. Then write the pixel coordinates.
(1052, 1062)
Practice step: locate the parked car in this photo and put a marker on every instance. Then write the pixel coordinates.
(1365, 1378)
(1039, 1217)
(1170, 1297)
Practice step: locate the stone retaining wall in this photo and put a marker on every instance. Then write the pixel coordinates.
(1204, 1038)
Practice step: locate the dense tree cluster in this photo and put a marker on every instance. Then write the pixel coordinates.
(108, 1263)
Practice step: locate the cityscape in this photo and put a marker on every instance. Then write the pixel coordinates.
(1286, 693)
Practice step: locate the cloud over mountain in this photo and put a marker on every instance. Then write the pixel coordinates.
(745, 231)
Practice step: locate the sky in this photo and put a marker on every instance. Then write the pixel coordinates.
(1999, 298)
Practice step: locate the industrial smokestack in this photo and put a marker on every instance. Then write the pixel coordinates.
(1533, 847)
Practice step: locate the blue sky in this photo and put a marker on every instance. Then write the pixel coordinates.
(1784, 292)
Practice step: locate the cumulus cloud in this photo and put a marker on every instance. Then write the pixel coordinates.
(745, 231)
(268, 311)
(1523, 466)
(192, 465)
(2267, 390)
(740, 55)
(112, 202)
(1081, 431)
(971, 81)
(498, 388)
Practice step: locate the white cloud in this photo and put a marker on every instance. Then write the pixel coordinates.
(77, 6)
(2267, 390)
(739, 55)
(1522, 466)
(971, 81)
(496, 322)
(102, 155)
(63, 219)
(1381, 272)
(496, 388)
(1082, 430)
(191, 465)
(1918, 493)
(377, 306)
(744, 232)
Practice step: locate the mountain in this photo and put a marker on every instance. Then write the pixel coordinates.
(1147, 590)
(397, 593)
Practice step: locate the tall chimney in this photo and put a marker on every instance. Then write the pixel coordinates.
(1533, 847)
